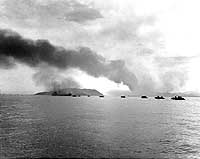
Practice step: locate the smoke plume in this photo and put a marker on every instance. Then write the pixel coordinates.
(52, 79)
(14, 48)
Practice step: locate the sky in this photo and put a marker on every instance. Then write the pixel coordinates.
(135, 46)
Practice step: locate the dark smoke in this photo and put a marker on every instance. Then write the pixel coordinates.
(15, 48)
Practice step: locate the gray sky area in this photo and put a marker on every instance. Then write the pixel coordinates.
(135, 46)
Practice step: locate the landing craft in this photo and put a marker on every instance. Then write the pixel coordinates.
(159, 97)
(178, 98)
(144, 97)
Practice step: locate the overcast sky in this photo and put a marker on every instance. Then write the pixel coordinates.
(128, 45)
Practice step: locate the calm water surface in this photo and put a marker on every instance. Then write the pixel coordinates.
(46, 126)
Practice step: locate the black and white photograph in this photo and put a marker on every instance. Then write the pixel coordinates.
(100, 79)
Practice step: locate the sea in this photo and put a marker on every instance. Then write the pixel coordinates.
(93, 127)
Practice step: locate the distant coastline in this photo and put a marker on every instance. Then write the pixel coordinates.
(72, 92)
(94, 92)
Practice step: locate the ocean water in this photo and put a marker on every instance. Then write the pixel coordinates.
(52, 126)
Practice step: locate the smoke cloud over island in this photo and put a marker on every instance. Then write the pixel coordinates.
(118, 40)
(14, 48)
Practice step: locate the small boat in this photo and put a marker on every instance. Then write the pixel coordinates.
(101, 96)
(178, 98)
(60, 94)
(74, 95)
(144, 97)
(54, 93)
(159, 97)
(123, 96)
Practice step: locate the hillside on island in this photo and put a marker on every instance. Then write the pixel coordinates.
(72, 91)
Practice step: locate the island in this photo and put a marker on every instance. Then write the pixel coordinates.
(74, 92)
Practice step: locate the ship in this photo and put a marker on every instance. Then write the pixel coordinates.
(144, 97)
(159, 97)
(178, 98)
